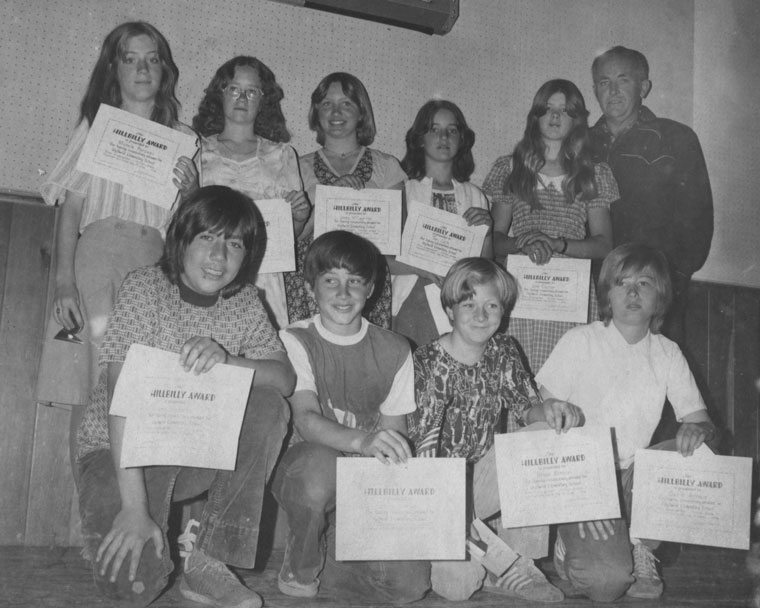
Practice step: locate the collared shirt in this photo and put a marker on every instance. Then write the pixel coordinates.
(621, 385)
(665, 196)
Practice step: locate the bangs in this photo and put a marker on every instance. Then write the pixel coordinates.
(227, 220)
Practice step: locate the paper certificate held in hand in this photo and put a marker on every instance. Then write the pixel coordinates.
(701, 499)
(555, 291)
(175, 417)
(434, 239)
(280, 252)
(546, 478)
(409, 511)
(135, 152)
(373, 214)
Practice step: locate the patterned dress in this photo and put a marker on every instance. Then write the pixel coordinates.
(375, 170)
(556, 219)
(460, 407)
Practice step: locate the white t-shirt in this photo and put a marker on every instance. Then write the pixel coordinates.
(621, 385)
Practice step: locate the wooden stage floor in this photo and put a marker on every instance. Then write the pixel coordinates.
(58, 578)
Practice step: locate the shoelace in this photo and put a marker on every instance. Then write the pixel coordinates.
(644, 563)
(187, 539)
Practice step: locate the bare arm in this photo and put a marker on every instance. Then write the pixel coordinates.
(133, 525)
(201, 353)
(66, 304)
(387, 444)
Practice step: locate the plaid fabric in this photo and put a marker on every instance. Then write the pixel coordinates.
(556, 219)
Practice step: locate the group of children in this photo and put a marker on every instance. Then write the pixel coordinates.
(344, 385)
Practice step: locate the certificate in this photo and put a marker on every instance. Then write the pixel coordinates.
(550, 478)
(409, 511)
(280, 252)
(174, 417)
(434, 239)
(703, 499)
(135, 152)
(373, 214)
(555, 291)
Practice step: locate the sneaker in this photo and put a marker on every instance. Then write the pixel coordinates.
(208, 581)
(286, 580)
(525, 581)
(186, 540)
(559, 557)
(648, 584)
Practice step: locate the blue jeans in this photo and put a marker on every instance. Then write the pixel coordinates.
(229, 526)
(602, 569)
(304, 486)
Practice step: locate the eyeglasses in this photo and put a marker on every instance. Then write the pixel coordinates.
(251, 94)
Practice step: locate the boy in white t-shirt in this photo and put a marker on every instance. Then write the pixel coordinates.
(355, 386)
(620, 371)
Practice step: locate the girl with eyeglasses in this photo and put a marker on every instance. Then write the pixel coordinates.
(245, 147)
(554, 198)
(103, 233)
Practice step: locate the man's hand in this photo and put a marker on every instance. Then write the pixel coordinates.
(387, 446)
(131, 529)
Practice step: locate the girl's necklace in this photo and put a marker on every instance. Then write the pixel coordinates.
(341, 155)
(251, 146)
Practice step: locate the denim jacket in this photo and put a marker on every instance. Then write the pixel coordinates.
(665, 197)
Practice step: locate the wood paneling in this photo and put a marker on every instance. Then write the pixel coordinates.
(27, 241)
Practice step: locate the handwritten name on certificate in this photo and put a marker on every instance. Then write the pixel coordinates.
(555, 291)
(414, 510)
(135, 152)
(373, 214)
(434, 239)
(702, 499)
(546, 478)
(280, 252)
(174, 417)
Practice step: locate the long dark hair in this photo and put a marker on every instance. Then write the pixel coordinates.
(215, 209)
(104, 81)
(575, 154)
(414, 161)
(353, 89)
(270, 121)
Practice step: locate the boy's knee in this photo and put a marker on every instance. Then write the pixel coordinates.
(605, 582)
(269, 410)
(408, 582)
(456, 581)
(151, 579)
(306, 477)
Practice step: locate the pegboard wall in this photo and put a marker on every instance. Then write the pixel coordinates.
(498, 53)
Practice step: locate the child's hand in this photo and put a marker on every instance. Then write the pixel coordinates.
(562, 415)
(66, 309)
(476, 216)
(349, 181)
(185, 177)
(201, 353)
(691, 435)
(387, 446)
(130, 531)
(300, 208)
(600, 529)
(536, 245)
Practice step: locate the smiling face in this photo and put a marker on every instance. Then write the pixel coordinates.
(139, 71)
(212, 261)
(443, 139)
(556, 123)
(476, 319)
(340, 297)
(633, 299)
(338, 115)
(619, 89)
(242, 110)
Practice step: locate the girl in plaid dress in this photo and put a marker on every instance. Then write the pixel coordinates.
(554, 199)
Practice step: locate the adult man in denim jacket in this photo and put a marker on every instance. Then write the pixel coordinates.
(665, 197)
